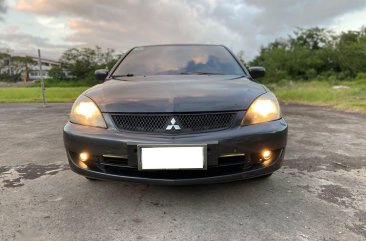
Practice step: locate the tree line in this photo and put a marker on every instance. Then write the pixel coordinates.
(307, 54)
(82, 62)
(315, 53)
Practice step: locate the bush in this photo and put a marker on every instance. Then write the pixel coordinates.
(57, 72)
(10, 78)
(314, 53)
(361, 76)
(283, 82)
(67, 83)
(311, 74)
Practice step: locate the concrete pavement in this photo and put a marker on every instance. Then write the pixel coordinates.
(319, 194)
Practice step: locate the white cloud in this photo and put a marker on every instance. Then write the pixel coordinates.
(239, 24)
(350, 21)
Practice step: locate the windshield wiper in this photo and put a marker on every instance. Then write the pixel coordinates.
(200, 73)
(122, 75)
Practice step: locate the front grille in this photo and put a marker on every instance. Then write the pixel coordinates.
(183, 123)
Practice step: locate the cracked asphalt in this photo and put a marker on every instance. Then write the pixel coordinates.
(318, 194)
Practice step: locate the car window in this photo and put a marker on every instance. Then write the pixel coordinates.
(180, 59)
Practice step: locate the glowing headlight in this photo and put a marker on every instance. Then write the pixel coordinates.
(265, 108)
(86, 112)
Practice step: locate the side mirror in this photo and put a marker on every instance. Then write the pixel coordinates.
(257, 72)
(101, 74)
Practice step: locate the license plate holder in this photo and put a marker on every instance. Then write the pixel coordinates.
(172, 157)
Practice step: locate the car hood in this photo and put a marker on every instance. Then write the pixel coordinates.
(175, 94)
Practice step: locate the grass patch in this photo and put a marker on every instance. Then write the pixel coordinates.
(323, 94)
(34, 94)
(66, 83)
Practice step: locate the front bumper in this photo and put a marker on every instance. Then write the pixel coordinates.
(232, 154)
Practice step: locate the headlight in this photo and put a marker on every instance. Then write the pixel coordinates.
(86, 112)
(265, 108)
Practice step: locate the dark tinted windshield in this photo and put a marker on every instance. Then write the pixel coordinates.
(175, 60)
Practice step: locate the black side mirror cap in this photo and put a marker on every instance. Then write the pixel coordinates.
(101, 74)
(257, 72)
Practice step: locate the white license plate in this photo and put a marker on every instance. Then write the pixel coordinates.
(172, 157)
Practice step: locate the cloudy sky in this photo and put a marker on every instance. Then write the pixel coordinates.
(55, 25)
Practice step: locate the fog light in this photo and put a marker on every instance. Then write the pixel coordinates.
(84, 156)
(83, 165)
(266, 154)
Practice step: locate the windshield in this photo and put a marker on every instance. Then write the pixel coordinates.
(179, 59)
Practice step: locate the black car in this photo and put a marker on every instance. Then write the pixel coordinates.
(176, 114)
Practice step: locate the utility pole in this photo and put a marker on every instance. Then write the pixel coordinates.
(9, 66)
(9, 63)
(26, 79)
(40, 74)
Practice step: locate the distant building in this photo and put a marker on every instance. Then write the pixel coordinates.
(47, 64)
(30, 72)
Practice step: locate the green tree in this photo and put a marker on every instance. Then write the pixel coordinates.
(14, 67)
(314, 53)
(83, 62)
(57, 73)
(351, 49)
(312, 38)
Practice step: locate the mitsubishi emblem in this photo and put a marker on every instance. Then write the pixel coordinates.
(172, 125)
